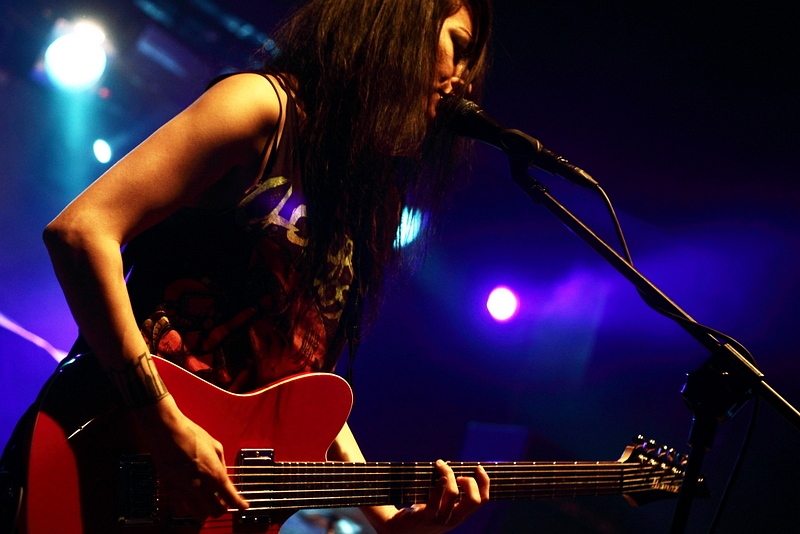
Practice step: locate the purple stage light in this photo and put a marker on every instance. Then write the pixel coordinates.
(15, 328)
(502, 303)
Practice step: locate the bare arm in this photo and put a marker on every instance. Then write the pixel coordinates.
(224, 130)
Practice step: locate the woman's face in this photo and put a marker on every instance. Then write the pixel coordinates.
(454, 42)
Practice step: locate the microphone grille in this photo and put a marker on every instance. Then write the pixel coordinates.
(454, 106)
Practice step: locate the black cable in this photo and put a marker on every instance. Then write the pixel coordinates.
(617, 227)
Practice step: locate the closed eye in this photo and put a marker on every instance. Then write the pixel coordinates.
(461, 47)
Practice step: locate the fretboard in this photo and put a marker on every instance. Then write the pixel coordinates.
(293, 485)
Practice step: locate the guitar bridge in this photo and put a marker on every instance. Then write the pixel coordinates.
(137, 495)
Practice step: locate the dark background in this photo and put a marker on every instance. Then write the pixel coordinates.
(687, 115)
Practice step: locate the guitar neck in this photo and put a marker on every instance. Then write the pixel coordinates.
(293, 485)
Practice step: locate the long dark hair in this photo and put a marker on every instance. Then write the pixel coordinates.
(362, 72)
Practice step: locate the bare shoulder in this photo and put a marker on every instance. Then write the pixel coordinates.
(245, 104)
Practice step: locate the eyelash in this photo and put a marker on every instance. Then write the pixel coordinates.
(460, 50)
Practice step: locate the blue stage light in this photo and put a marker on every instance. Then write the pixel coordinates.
(410, 226)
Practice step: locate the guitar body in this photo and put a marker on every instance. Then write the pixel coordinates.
(82, 432)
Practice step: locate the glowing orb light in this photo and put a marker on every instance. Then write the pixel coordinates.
(102, 151)
(76, 60)
(502, 304)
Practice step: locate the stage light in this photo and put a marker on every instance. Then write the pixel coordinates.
(102, 151)
(77, 58)
(410, 226)
(502, 303)
(346, 526)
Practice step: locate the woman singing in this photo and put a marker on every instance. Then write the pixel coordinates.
(258, 228)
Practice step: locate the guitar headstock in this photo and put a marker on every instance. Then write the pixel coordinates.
(661, 474)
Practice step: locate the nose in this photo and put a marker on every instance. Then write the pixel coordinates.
(453, 84)
(456, 81)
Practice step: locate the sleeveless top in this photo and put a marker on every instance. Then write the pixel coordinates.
(216, 291)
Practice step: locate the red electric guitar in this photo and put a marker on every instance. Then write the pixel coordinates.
(90, 474)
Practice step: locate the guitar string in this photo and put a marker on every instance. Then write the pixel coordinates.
(518, 488)
(431, 475)
(420, 492)
(421, 495)
(421, 488)
(289, 487)
(603, 478)
(588, 478)
(425, 489)
(262, 472)
(499, 486)
(322, 474)
(430, 465)
(542, 471)
(333, 502)
(321, 468)
(502, 485)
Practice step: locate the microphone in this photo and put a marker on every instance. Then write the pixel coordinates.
(467, 119)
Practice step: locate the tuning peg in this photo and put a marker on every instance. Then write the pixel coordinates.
(666, 454)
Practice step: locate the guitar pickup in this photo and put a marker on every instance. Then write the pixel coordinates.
(246, 476)
(137, 495)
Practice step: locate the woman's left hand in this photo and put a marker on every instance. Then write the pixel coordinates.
(446, 508)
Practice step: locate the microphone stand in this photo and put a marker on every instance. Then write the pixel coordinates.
(716, 390)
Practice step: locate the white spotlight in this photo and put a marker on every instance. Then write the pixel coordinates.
(102, 151)
(76, 60)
